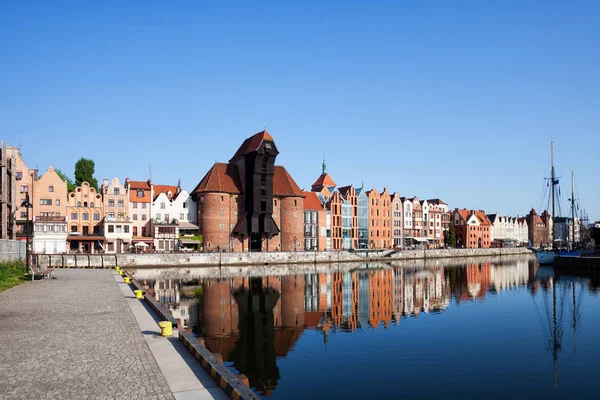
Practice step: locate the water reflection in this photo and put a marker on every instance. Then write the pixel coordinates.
(254, 322)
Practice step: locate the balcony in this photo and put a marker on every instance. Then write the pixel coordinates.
(49, 218)
(122, 220)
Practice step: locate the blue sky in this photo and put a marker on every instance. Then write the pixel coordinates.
(450, 99)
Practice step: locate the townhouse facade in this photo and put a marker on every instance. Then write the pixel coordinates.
(140, 204)
(116, 222)
(24, 182)
(85, 211)
(50, 229)
(508, 229)
(380, 232)
(315, 218)
(472, 228)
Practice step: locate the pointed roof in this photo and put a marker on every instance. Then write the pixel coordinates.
(437, 202)
(252, 144)
(158, 189)
(312, 202)
(492, 217)
(323, 180)
(283, 184)
(344, 190)
(221, 178)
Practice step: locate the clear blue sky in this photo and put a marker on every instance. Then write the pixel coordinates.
(449, 99)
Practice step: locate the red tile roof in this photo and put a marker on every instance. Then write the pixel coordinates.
(283, 184)
(252, 144)
(134, 186)
(483, 220)
(324, 180)
(223, 178)
(158, 189)
(312, 202)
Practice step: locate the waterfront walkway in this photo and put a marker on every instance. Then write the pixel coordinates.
(83, 335)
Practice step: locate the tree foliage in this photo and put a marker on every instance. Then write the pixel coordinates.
(451, 236)
(70, 184)
(84, 172)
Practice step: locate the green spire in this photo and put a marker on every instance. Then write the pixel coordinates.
(324, 165)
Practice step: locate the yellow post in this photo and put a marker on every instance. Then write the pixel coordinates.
(126, 279)
(138, 294)
(120, 272)
(166, 328)
(118, 268)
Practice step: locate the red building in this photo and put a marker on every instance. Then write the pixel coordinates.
(472, 228)
(250, 203)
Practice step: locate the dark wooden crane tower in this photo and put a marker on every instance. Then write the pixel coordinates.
(255, 162)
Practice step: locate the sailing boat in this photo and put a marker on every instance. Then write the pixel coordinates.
(545, 257)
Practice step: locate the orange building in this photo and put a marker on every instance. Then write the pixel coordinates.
(25, 179)
(85, 211)
(50, 194)
(472, 228)
(380, 221)
(140, 202)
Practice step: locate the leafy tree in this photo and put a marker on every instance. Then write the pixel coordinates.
(70, 184)
(451, 236)
(84, 172)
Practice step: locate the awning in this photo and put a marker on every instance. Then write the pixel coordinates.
(139, 239)
(187, 225)
(85, 238)
(418, 239)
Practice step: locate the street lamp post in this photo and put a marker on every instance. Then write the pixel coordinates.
(27, 206)
(295, 248)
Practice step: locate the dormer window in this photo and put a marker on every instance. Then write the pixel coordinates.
(116, 191)
(169, 194)
(140, 193)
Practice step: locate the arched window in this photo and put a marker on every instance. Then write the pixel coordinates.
(85, 203)
(78, 204)
(92, 204)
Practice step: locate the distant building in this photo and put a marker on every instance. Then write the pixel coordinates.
(362, 201)
(140, 202)
(116, 223)
(315, 230)
(508, 229)
(84, 211)
(24, 181)
(397, 219)
(472, 228)
(249, 204)
(49, 214)
(439, 222)
(8, 194)
(563, 230)
(539, 228)
(380, 230)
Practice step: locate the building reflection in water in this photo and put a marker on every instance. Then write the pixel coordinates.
(253, 321)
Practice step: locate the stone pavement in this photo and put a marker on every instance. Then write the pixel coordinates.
(74, 337)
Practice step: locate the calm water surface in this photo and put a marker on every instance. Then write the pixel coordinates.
(482, 330)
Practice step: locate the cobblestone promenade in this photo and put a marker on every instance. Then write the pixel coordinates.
(74, 338)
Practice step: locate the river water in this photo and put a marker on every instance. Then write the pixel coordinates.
(489, 328)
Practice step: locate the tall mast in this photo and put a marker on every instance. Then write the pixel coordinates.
(552, 179)
(573, 207)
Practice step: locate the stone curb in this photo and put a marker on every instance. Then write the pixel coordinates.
(226, 379)
(219, 372)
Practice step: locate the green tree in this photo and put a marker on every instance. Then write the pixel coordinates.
(70, 184)
(451, 236)
(84, 172)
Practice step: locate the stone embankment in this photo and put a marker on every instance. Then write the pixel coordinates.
(255, 259)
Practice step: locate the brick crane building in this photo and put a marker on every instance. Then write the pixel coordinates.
(250, 204)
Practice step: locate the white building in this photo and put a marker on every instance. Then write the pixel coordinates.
(407, 220)
(563, 230)
(117, 225)
(506, 228)
(173, 212)
(50, 234)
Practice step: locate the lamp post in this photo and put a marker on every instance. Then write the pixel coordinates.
(27, 205)
(295, 248)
